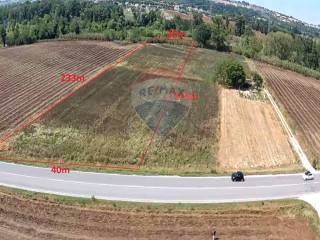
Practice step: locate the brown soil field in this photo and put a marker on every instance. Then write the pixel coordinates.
(30, 76)
(34, 217)
(299, 96)
(99, 125)
(251, 135)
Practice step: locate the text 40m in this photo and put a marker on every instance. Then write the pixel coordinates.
(58, 169)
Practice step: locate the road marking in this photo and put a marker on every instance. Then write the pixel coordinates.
(293, 196)
(161, 187)
(160, 176)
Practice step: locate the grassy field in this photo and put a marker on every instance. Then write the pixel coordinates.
(43, 216)
(100, 126)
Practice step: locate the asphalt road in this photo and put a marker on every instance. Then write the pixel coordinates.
(166, 189)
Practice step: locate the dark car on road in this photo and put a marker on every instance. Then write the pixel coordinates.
(237, 177)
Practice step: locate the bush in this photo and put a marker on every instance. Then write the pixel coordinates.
(231, 73)
(257, 81)
(134, 35)
(201, 34)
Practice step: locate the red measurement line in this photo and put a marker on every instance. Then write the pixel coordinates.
(2, 159)
(50, 108)
(42, 114)
(178, 78)
(185, 62)
(147, 149)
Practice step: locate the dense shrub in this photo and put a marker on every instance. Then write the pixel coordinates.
(257, 81)
(231, 73)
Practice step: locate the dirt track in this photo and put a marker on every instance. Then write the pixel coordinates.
(251, 135)
(22, 218)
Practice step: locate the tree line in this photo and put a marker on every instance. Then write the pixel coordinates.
(31, 21)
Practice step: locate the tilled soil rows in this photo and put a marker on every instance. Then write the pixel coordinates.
(300, 97)
(30, 78)
(24, 218)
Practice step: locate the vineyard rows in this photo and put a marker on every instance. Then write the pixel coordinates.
(300, 96)
(30, 75)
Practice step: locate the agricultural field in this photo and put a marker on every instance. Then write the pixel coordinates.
(104, 125)
(100, 125)
(299, 96)
(26, 215)
(31, 76)
(251, 137)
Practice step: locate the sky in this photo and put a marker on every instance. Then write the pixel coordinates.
(305, 10)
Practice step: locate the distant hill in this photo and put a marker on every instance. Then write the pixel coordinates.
(253, 13)
(280, 16)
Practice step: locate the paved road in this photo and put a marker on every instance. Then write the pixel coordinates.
(167, 189)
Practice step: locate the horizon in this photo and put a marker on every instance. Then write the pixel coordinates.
(308, 13)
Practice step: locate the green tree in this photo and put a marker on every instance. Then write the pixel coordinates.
(279, 44)
(219, 33)
(201, 34)
(10, 38)
(250, 46)
(196, 19)
(180, 24)
(231, 73)
(257, 81)
(240, 26)
(74, 26)
(134, 35)
(3, 35)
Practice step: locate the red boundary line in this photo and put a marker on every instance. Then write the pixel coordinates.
(39, 116)
(178, 78)
(42, 114)
(5, 159)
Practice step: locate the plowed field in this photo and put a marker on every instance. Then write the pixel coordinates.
(30, 76)
(23, 218)
(103, 125)
(251, 135)
(300, 97)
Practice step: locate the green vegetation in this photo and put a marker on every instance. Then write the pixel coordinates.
(3, 34)
(291, 66)
(262, 21)
(77, 19)
(201, 34)
(55, 18)
(100, 126)
(257, 81)
(304, 51)
(231, 73)
(248, 45)
(240, 26)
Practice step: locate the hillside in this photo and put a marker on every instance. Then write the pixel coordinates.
(253, 14)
